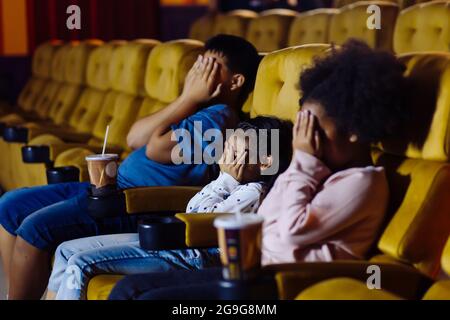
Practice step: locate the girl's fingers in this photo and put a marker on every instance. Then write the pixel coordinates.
(303, 123)
(317, 140)
(297, 123)
(311, 127)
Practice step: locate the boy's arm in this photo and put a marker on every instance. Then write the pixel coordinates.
(199, 89)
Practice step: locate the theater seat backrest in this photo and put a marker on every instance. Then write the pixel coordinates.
(342, 3)
(203, 28)
(98, 67)
(420, 205)
(427, 136)
(276, 89)
(91, 102)
(167, 67)
(234, 23)
(128, 66)
(269, 31)
(423, 27)
(59, 61)
(352, 22)
(311, 27)
(75, 69)
(42, 59)
(30, 93)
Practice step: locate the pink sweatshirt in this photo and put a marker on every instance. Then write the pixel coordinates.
(311, 215)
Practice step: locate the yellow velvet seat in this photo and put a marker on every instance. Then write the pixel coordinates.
(311, 27)
(234, 23)
(203, 28)
(423, 27)
(343, 3)
(41, 75)
(352, 22)
(351, 289)
(269, 31)
(117, 108)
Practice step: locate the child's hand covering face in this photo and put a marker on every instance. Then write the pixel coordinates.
(306, 136)
(233, 165)
(200, 84)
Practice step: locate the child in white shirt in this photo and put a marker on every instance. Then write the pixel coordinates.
(240, 187)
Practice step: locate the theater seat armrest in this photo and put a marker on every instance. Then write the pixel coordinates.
(200, 230)
(402, 280)
(68, 135)
(42, 153)
(159, 199)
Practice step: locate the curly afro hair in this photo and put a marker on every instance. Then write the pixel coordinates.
(362, 89)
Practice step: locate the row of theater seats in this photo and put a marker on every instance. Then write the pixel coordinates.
(142, 76)
(420, 27)
(417, 164)
(76, 90)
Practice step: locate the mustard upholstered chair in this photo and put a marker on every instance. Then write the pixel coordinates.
(203, 28)
(311, 27)
(234, 23)
(351, 289)
(269, 31)
(71, 113)
(117, 108)
(423, 27)
(41, 76)
(353, 21)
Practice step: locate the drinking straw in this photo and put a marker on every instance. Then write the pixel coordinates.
(106, 139)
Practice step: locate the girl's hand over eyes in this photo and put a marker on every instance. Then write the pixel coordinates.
(306, 136)
(234, 166)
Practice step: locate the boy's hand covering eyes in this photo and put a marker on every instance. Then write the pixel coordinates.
(306, 136)
(200, 84)
(235, 167)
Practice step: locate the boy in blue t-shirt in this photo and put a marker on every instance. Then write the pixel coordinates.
(34, 221)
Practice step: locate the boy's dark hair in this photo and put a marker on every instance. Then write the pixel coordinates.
(242, 57)
(360, 88)
(285, 135)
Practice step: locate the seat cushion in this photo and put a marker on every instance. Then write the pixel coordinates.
(100, 287)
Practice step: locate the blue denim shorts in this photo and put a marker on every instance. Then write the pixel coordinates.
(46, 216)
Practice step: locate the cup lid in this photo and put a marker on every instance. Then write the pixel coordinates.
(236, 222)
(107, 156)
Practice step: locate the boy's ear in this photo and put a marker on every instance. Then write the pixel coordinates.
(266, 163)
(237, 81)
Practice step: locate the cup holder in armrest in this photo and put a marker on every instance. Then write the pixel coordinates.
(107, 206)
(162, 233)
(36, 154)
(15, 134)
(63, 174)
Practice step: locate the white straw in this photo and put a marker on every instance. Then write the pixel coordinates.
(106, 139)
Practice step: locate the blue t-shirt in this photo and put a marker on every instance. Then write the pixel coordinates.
(139, 171)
